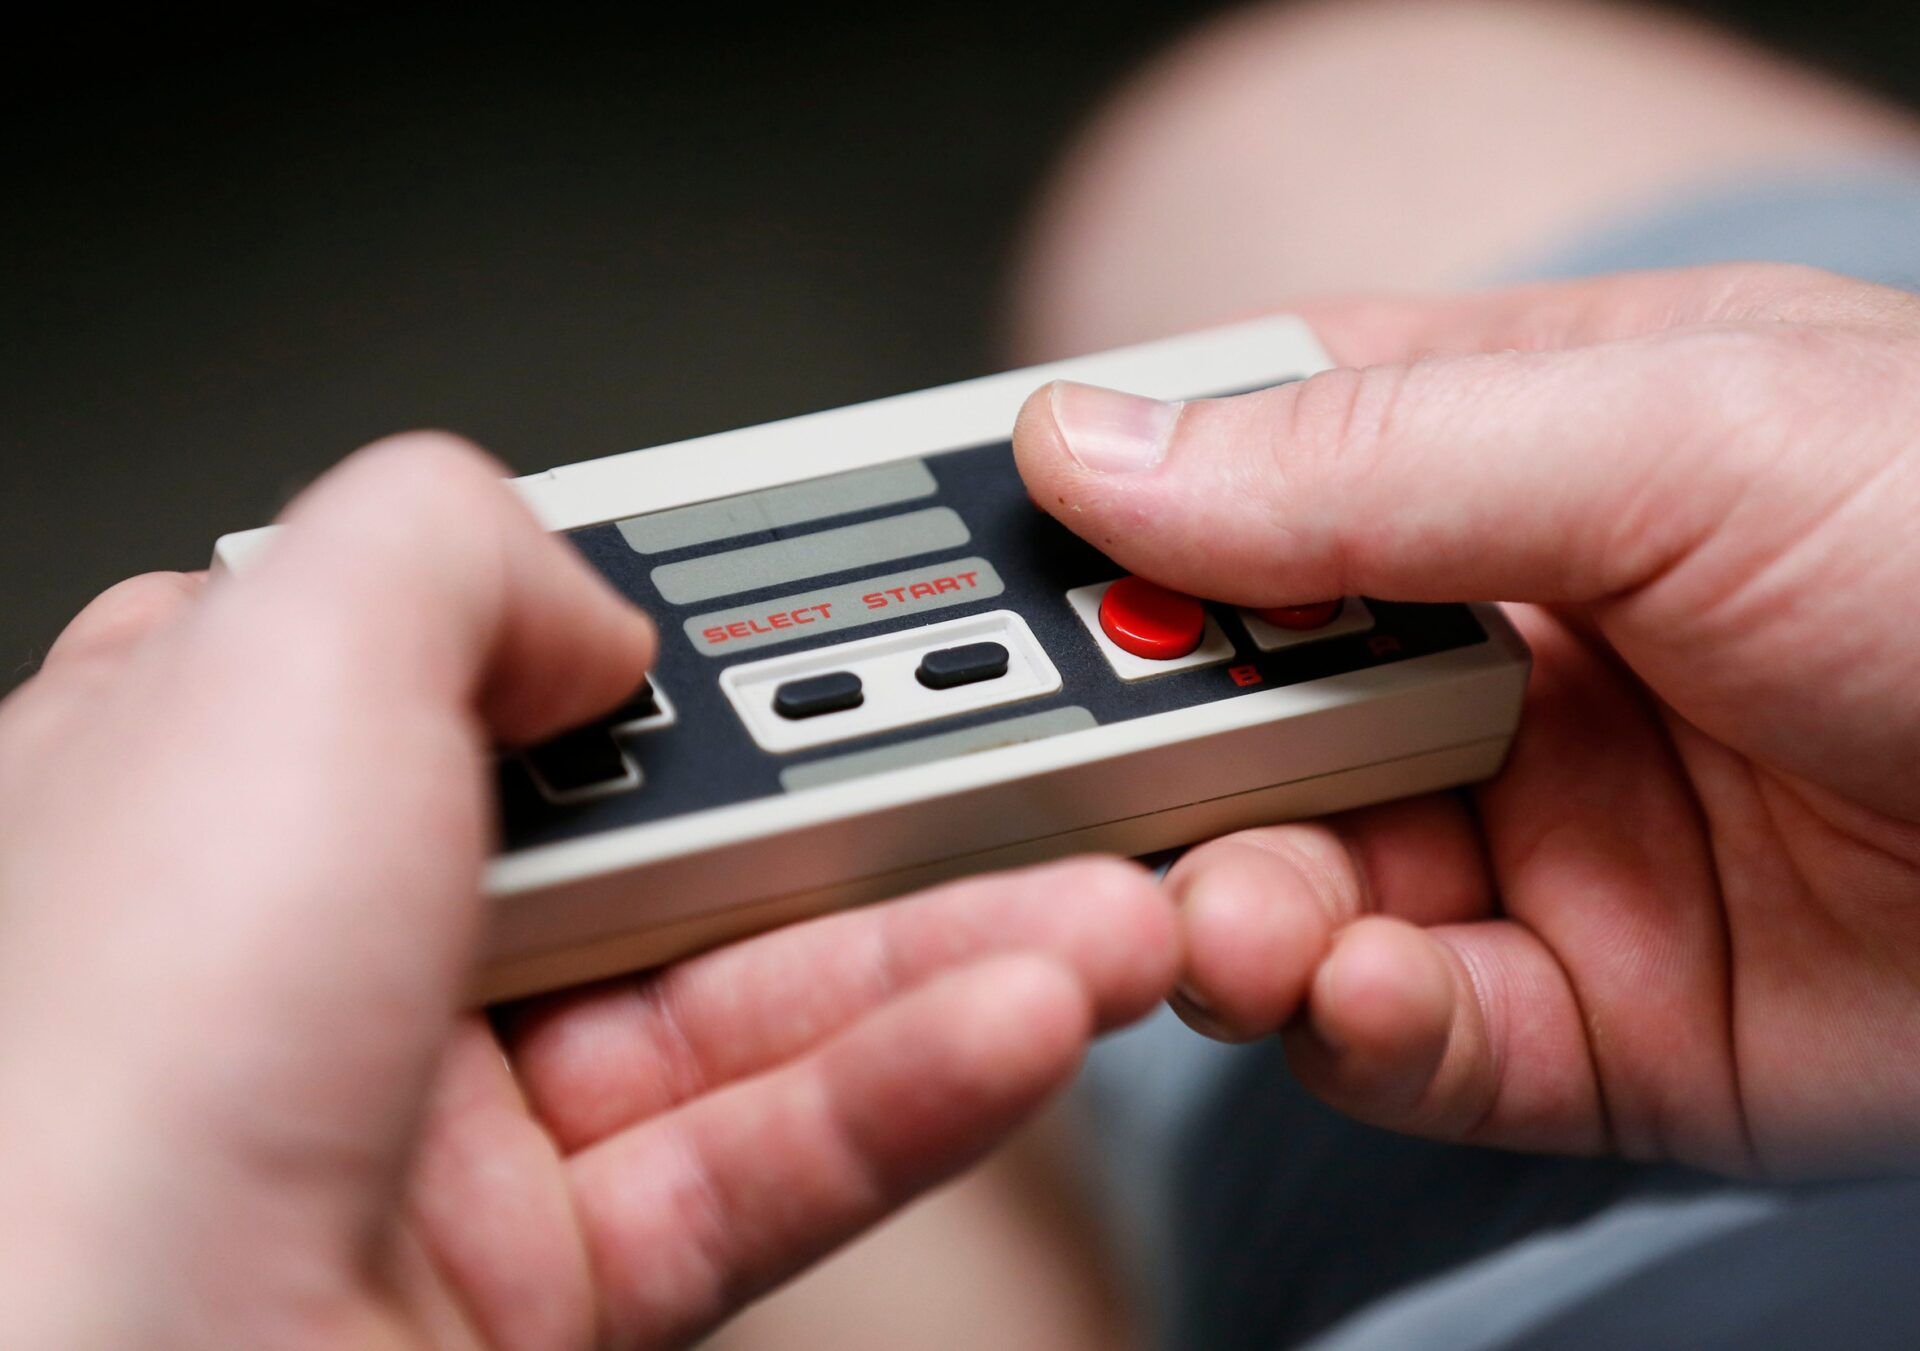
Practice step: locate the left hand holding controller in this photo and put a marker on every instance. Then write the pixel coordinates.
(241, 840)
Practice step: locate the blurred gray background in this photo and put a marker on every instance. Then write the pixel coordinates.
(235, 245)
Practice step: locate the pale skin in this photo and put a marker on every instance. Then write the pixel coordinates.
(1299, 148)
(1684, 921)
(1680, 924)
(185, 865)
(1256, 166)
(241, 829)
(1302, 148)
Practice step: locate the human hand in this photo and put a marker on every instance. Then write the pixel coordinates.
(1684, 921)
(241, 840)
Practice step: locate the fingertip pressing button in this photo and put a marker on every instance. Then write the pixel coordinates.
(1151, 622)
(1300, 617)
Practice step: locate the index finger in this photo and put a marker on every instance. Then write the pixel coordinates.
(291, 786)
(597, 1060)
(415, 567)
(1551, 316)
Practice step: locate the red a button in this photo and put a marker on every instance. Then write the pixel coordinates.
(1150, 621)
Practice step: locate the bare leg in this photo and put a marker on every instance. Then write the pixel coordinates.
(1005, 1258)
(1401, 144)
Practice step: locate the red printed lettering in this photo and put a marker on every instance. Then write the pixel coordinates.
(925, 590)
(776, 621)
(772, 622)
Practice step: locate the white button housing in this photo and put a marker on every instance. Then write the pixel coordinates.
(893, 696)
(1215, 647)
(630, 779)
(662, 716)
(1354, 617)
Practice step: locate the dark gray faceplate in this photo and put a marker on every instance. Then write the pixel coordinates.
(706, 758)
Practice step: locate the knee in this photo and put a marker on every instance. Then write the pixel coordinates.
(1397, 144)
(1216, 179)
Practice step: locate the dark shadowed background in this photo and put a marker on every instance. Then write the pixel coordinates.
(234, 245)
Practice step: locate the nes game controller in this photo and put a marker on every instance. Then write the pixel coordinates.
(881, 665)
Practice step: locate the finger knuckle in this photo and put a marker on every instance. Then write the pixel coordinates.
(1337, 431)
(440, 485)
(429, 443)
(138, 600)
(429, 461)
(1338, 420)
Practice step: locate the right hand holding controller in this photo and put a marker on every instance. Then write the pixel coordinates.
(1684, 922)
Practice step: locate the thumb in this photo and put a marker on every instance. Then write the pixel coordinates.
(1529, 476)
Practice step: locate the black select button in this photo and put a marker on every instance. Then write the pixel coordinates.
(963, 665)
(809, 698)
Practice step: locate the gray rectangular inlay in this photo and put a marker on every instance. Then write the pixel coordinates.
(791, 560)
(927, 749)
(795, 504)
(932, 586)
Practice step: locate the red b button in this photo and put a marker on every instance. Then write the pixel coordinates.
(1150, 621)
(1312, 616)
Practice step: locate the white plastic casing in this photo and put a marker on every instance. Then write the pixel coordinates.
(639, 895)
(1215, 647)
(886, 666)
(1354, 617)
